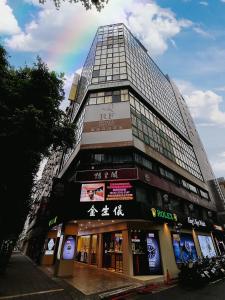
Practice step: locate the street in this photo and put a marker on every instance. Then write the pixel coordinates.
(211, 292)
(25, 280)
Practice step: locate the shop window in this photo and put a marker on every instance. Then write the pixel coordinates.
(146, 253)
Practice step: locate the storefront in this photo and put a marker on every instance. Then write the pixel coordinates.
(219, 238)
(114, 230)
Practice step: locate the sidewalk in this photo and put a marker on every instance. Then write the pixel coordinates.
(24, 280)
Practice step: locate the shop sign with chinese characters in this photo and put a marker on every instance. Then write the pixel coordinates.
(158, 213)
(109, 210)
(107, 174)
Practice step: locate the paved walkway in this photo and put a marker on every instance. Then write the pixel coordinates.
(24, 280)
(90, 280)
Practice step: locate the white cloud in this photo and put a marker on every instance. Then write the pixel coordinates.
(153, 25)
(8, 22)
(204, 3)
(204, 105)
(222, 154)
(202, 32)
(223, 1)
(219, 167)
(220, 89)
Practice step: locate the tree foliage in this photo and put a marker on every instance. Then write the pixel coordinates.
(30, 123)
(99, 4)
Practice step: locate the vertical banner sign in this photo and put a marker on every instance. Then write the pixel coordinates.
(69, 248)
(153, 252)
(206, 245)
(50, 247)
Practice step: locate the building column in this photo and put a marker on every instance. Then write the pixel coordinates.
(167, 254)
(89, 250)
(65, 268)
(127, 254)
(100, 251)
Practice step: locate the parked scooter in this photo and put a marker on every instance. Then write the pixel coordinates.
(201, 272)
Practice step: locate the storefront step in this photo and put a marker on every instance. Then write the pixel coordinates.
(147, 279)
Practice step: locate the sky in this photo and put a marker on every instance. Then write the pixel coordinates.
(186, 38)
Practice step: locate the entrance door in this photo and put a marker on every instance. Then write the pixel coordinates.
(83, 248)
(113, 251)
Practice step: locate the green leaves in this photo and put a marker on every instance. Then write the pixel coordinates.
(99, 4)
(30, 124)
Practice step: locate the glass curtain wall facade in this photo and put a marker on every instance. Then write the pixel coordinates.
(117, 58)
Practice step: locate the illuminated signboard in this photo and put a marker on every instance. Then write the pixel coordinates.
(158, 213)
(206, 245)
(105, 211)
(52, 221)
(153, 252)
(107, 175)
(184, 248)
(50, 247)
(195, 222)
(218, 227)
(119, 191)
(92, 192)
(69, 248)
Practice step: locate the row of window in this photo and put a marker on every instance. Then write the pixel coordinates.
(140, 159)
(125, 158)
(146, 76)
(108, 97)
(153, 132)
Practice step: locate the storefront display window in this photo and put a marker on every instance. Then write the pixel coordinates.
(50, 246)
(206, 245)
(184, 248)
(113, 251)
(146, 253)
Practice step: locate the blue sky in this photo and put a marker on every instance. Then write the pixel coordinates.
(186, 38)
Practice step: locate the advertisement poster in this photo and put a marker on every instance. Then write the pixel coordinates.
(184, 248)
(206, 245)
(153, 253)
(119, 191)
(92, 192)
(69, 248)
(50, 247)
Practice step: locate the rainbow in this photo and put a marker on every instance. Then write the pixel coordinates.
(71, 43)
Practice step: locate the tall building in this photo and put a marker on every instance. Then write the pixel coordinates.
(139, 195)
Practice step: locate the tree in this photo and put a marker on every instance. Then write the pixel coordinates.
(99, 4)
(30, 124)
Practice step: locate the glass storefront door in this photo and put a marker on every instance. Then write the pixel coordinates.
(113, 251)
(83, 246)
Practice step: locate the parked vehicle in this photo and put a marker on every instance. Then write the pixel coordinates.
(201, 272)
